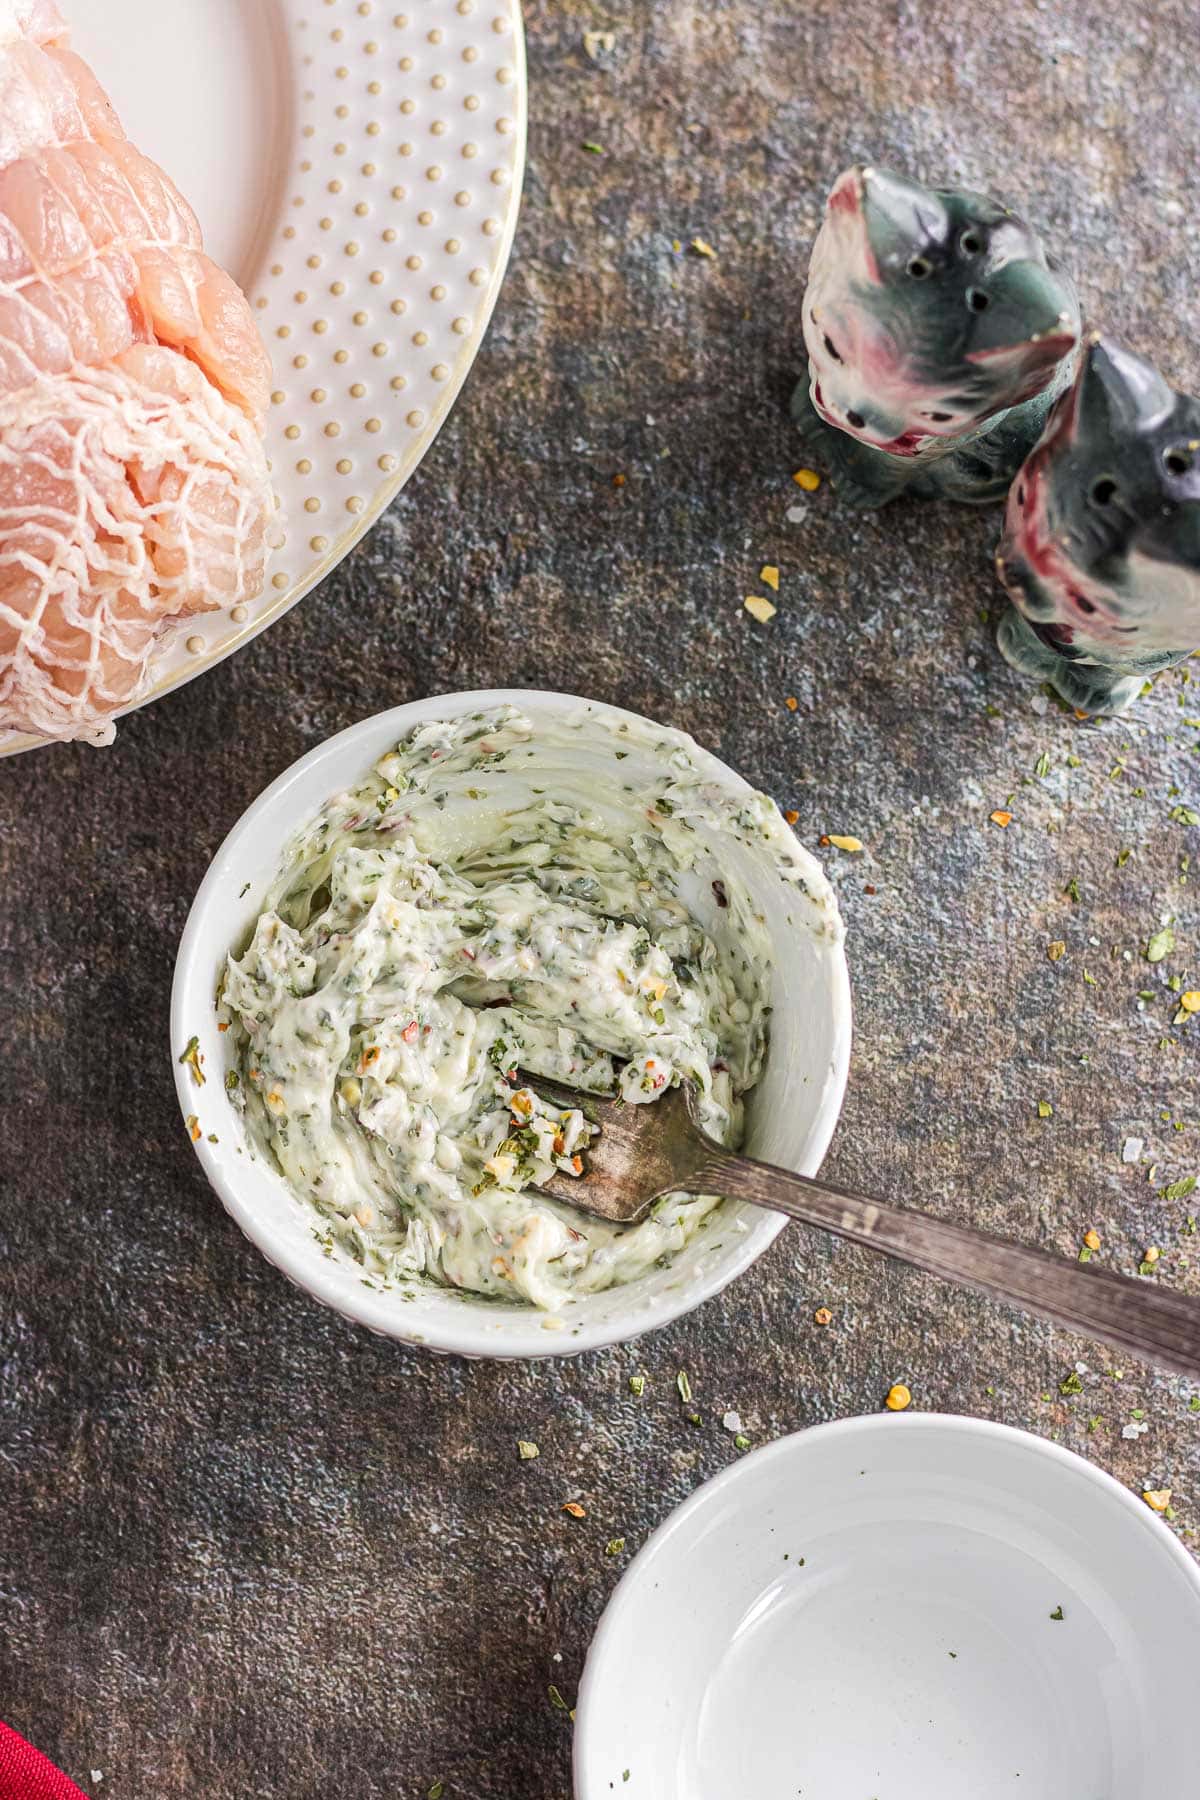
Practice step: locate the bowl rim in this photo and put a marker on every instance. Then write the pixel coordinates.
(605, 1646)
(465, 1331)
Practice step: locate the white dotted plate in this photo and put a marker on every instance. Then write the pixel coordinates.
(358, 168)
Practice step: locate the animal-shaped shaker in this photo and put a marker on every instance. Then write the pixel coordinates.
(1101, 546)
(938, 334)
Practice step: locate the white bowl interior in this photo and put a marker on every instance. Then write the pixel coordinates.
(870, 1609)
(791, 1114)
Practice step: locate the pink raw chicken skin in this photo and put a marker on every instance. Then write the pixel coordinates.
(133, 383)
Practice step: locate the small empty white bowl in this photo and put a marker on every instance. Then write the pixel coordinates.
(790, 1115)
(899, 1608)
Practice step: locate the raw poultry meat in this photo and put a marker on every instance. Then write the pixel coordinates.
(133, 383)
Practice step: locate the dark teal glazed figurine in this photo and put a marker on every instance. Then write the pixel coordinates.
(938, 335)
(1101, 546)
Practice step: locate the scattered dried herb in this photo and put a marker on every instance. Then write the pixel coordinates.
(191, 1058)
(759, 607)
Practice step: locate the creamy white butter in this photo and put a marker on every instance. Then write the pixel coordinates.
(496, 893)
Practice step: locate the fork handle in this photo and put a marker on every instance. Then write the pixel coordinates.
(1139, 1316)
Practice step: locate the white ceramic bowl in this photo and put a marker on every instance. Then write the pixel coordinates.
(870, 1608)
(790, 1115)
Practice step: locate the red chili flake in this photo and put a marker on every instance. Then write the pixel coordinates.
(577, 1164)
(409, 1034)
(573, 1507)
(791, 816)
(468, 953)
(618, 481)
(823, 840)
(791, 703)
(868, 889)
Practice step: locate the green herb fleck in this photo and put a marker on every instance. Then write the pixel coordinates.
(556, 1699)
(1058, 1613)
(1072, 890)
(614, 1546)
(527, 1450)
(1042, 765)
(1045, 1110)
(1161, 944)
(191, 1056)
(1123, 857)
(1072, 1385)
(1179, 1190)
(684, 1386)
(593, 149)
(436, 1791)
(637, 1386)
(1185, 815)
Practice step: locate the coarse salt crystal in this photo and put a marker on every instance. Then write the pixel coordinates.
(1131, 1149)
(732, 1421)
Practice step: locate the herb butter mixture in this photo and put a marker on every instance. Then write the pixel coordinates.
(496, 895)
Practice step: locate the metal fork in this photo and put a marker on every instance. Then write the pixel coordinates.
(644, 1152)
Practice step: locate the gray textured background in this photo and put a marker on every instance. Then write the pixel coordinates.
(246, 1549)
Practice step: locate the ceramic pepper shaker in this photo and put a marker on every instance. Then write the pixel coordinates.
(938, 334)
(1101, 546)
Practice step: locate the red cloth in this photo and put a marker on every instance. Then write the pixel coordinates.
(25, 1774)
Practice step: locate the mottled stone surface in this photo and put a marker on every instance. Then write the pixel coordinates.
(247, 1550)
